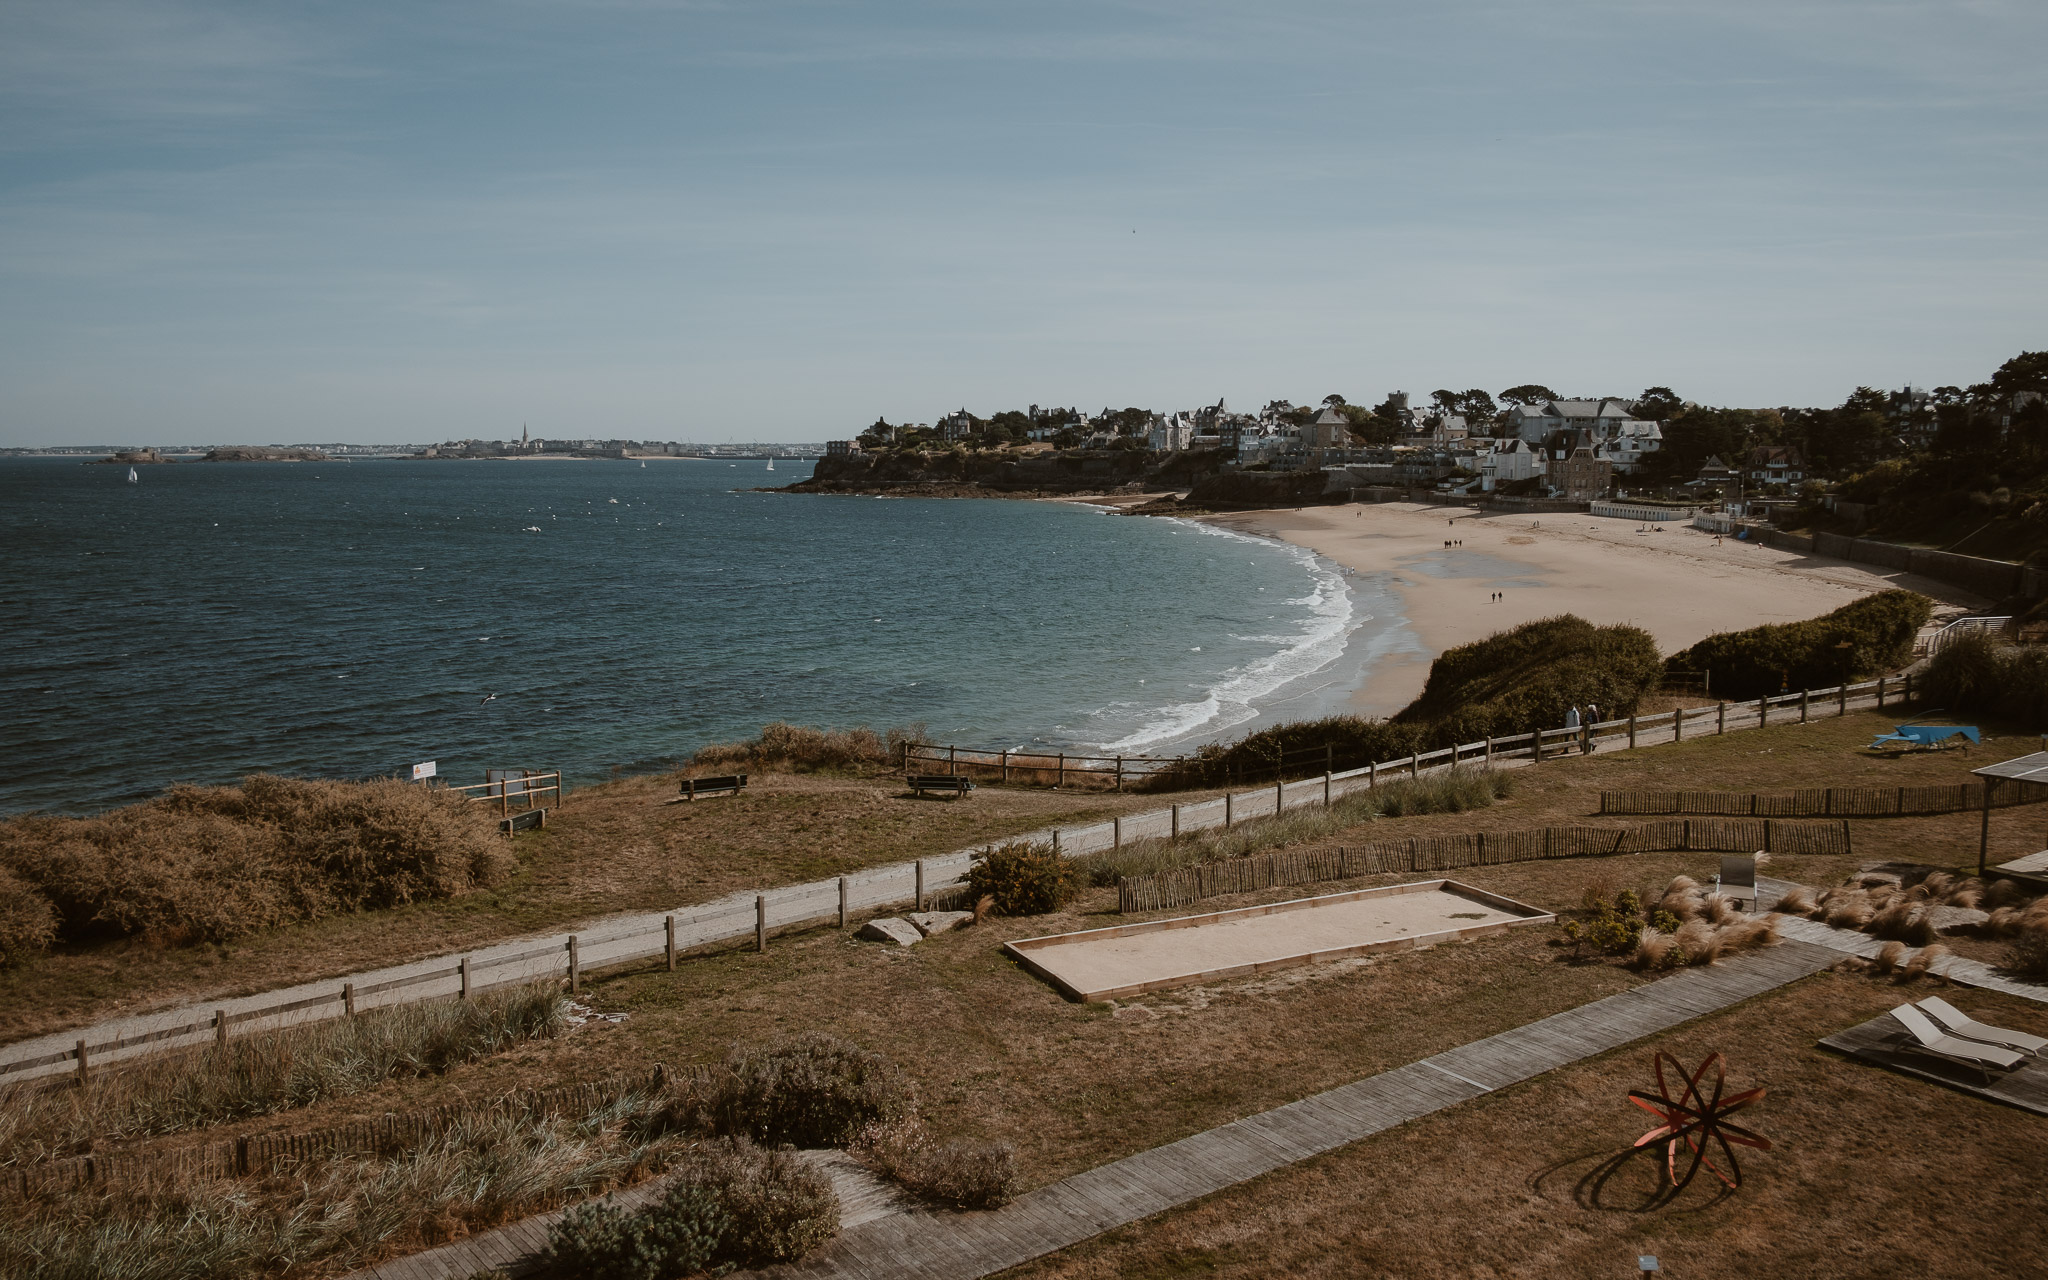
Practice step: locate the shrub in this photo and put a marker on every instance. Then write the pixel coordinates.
(1025, 879)
(1859, 639)
(1977, 674)
(814, 1090)
(214, 863)
(970, 1175)
(678, 1235)
(28, 923)
(2028, 955)
(802, 748)
(1512, 682)
(779, 1207)
(1614, 927)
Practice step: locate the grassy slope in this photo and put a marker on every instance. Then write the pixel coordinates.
(615, 847)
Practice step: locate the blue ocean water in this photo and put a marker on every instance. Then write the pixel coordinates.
(350, 619)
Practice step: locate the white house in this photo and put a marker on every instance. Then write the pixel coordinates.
(1511, 460)
(1171, 434)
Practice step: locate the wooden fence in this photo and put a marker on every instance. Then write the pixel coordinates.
(1816, 802)
(254, 1155)
(1054, 768)
(1184, 885)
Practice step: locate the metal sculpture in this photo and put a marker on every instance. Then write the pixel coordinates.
(1693, 1119)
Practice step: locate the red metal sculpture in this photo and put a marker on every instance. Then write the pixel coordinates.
(1693, 1119)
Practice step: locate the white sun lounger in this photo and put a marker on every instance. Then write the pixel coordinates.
(1964, 1025)
(1968, 1052)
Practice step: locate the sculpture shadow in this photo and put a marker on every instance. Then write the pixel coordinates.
(1630, 1181)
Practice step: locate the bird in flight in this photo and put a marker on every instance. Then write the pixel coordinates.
(489, 697)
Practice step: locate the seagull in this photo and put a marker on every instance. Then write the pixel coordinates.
(489, 697)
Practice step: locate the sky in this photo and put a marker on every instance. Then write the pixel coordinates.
(280, 222)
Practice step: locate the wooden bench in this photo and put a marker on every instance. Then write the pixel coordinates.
(531, 820)
(730, 785)
(923, 782)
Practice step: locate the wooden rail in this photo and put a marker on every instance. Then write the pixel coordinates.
(526, 788)
(751, 917)
(1817, 802)
(1183, 885)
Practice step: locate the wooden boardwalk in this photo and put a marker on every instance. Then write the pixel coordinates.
(880, 1236)
(961, 1246)
(1849, 942)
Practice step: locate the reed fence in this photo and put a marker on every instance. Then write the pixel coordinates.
(257, 1154)
(1817, 802)
(1184, 885)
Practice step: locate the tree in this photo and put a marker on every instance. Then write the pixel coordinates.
(1333, 399)
(1394, 410)
(1528, 393)
(1129, 422)
(1446, 401)
(1658, 403)
(1478, 408)
(1367, 428)
(1699, 432)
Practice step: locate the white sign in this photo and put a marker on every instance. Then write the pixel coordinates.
(421, 772)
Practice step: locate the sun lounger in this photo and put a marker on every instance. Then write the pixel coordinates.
(1964, 1025)
(1929, 1039)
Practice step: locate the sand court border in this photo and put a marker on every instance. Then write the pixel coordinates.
(1130, 959)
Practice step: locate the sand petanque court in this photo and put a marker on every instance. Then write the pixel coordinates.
(1125, 960)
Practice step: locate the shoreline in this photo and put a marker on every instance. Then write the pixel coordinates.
(1677, 584)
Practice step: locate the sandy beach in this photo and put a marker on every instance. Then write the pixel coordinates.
(1678, 584)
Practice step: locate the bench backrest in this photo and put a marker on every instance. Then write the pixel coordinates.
(731, 782)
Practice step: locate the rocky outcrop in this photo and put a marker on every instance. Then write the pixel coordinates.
(263, 453)
(1003, 474)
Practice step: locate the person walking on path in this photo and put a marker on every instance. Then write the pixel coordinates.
(1592, 718)
(1571, 722)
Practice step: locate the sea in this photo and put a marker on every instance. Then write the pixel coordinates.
(355, 619)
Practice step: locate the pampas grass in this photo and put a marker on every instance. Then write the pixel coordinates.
(1922, 962)
(1904, 920)
(1656, 950)
(1888, 957)
(1797, 901)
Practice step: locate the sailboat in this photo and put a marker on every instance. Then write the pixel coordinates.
(771, 464)
(643, 466)
(132, 477)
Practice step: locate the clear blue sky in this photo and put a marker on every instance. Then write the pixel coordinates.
(763, 220)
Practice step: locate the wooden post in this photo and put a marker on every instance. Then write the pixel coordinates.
(1415, 765)
(920, 884)
(1279, 797)
(1803, 699)
(842, 902)
(668, 948)
(1489, 751)
(1326, 788)
(1763, 711)
(1631, 733)
(1721, 719)
(575, 968)
(1116, 833)
(1055, 839)
(1678, 725)
(952, 761)
(1983, 849)
(1063, 769)
(1909, 687)
(1006, 764)
(1228, 804)
(1176, 822)
(1372, 773)
(1119, 773)
(84, 1066)
(220, 1026)
(1880, 693)
(761, 912)
(348, 999)
(462, 966)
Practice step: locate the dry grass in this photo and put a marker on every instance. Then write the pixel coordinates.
(215, 863)
(326, 1216)
(804, 749)
(1873, 1174)
(259, 1075)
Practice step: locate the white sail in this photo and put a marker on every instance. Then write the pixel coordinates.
(132, 477)
(771, 464)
